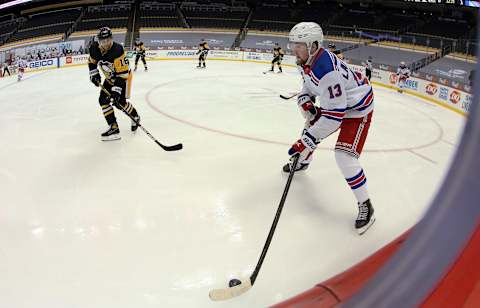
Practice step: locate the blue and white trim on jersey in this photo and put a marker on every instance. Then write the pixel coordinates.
(365, 102)
(321, 66)
(334, 114)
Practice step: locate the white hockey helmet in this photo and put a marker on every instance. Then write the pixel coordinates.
(306, 32)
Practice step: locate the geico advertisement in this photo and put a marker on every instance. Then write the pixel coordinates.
(39, 64)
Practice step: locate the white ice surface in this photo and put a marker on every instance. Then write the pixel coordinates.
(84, 223)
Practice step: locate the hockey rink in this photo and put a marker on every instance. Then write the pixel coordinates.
(86, 223)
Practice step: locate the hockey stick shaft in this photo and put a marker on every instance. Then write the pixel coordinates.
(288, 97)
(293, 166)
(247, 284)
(166, 148)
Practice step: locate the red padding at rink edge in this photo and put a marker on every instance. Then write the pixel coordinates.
(460, 287)
(473, 300)
(339, 288)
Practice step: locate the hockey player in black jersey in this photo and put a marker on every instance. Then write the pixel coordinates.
(369, 68)
(277, 57)
(338, 53)
(109, 56)
(202, 52)
(140, 51)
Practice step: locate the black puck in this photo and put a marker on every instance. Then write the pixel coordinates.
(234, 282)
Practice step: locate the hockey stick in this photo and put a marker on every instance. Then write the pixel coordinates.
(288, 97)
(175, 147)
(238, 287)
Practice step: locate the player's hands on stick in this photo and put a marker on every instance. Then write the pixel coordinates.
(307, 107)
(304, 147)
(115, 96)
(95, 77)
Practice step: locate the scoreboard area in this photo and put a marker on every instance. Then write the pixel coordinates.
(469, 3)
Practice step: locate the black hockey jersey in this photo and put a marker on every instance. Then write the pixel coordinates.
(113, 63)
(278, 51)
(203, 48)
(140, 48)
(339, 54)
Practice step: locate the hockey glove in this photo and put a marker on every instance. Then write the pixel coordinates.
(310, 123)
(95, 77)
(115, 95)
(303, 147)
(307, 107)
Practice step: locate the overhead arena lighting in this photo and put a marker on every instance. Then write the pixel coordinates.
(12, 3)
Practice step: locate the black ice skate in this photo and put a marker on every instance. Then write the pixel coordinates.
(365, 217)
(113, 133)
(135, 69)
(135, 123)
(300, 167)
(146, 69)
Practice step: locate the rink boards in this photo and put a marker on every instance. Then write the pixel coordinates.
(455, 99)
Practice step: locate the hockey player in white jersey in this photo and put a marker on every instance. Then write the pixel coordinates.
(22, 65)
(345, 104)
(403, 73)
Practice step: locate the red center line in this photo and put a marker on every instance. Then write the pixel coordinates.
(256, 139)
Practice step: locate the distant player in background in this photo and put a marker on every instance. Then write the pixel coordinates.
(403, 73)
(22, 65)
(110, 57)
(140, 54)
(345, 104)
(369, 68)
(333, 49)
(5, 68)
(278, 54)
(202, 52)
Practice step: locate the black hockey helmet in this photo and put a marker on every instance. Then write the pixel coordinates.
(104, 33)
(332, 45)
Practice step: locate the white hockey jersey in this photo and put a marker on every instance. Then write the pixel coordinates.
(368, 65)
(341, 92)
(22, 64)
(403, 72)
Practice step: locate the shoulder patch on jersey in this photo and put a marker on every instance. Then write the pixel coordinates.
(322, 65)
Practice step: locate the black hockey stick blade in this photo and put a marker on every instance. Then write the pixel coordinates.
(176, 147)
